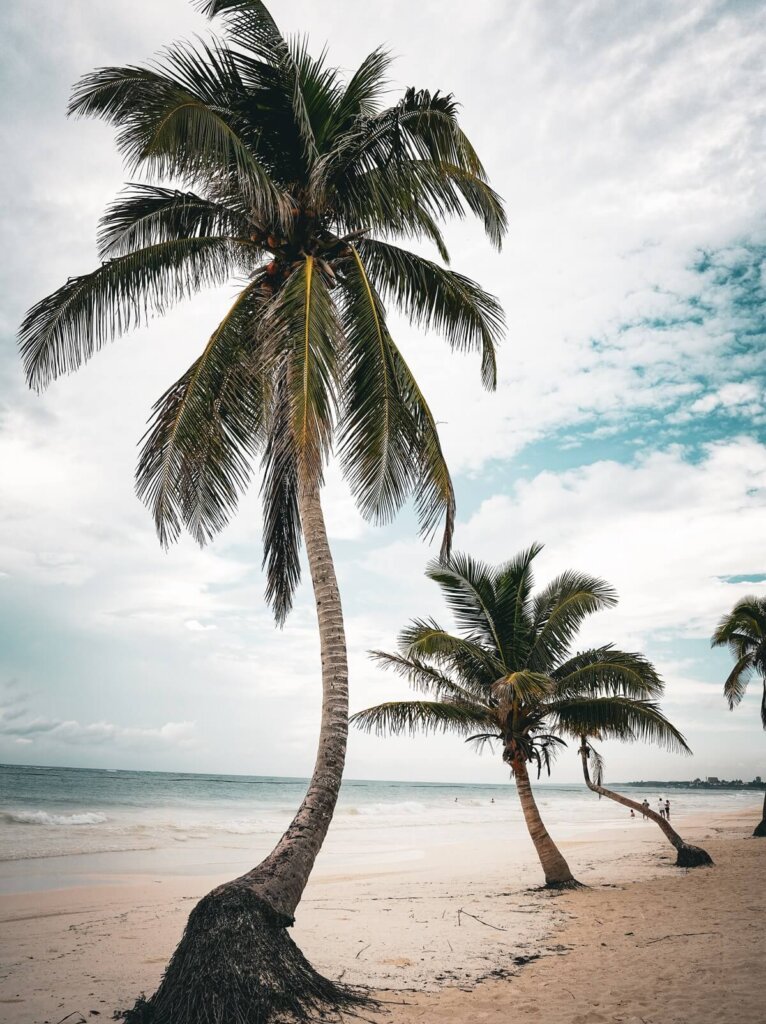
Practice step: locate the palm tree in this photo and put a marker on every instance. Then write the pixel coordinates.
(299, 184)
(743, 631)
(509, 675)
(687, 855)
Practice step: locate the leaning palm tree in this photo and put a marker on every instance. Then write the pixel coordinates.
(687, 855)
(743, 631)
(297, 183)
(509, 675)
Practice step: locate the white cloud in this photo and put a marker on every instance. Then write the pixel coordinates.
(662, 530)
(198, 627)
(747, 397)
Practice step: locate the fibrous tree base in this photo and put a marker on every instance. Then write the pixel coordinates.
(693, 857)
(571, 883)
(236, 964)
(760, 830)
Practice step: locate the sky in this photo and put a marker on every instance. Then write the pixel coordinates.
(627, 433)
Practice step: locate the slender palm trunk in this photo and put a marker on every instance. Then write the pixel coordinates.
(555, 867)
(760, 830)
(236, 963)
(281, 878)
(688, 856)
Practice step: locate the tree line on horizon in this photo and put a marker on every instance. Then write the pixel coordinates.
(261, 163)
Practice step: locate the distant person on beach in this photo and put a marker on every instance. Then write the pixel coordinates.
(667, 809)
(645, 808)
(632, 813)
(661, 807)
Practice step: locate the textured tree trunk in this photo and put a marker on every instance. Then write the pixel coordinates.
(760, 830)
(236, 963)
(687, 856)
(555, 867)
(281, 878)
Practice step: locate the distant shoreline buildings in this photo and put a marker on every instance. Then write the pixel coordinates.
(711, 782)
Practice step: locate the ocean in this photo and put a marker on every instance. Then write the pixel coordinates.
(69, 812)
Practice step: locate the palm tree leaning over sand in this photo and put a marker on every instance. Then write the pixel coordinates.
(509, 675)
(687, 856)
(295, 182)
(743, 631)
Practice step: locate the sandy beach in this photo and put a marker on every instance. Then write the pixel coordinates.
(459, 934)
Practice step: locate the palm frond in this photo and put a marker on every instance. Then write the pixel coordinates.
(736, 682)
(388, 444)
(467, 586)
(249, 25)
(559, 610)
(64, 330)
(176, 121)
(425, 678)
(145, 215)
(196, 458)
(434, 297)
(513, 582)
(282, 528)
(615, 717)
(414, 716)
(606, 670)
(524, 686)
(309, 319)
(477, 666)
(360, 97)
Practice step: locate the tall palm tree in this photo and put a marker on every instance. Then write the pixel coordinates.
(509, 675)
(687, 855)
(298, 184)
(743, 631)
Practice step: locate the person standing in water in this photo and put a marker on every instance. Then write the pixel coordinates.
(667, 810)
(661, 807)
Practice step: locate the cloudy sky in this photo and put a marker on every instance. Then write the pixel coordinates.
(628, 432)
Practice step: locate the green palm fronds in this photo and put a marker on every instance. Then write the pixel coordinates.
(510, 671)
(261, 164)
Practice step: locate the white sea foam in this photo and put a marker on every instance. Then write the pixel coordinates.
(43, 818)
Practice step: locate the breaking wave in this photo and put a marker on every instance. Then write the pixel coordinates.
(43, 818)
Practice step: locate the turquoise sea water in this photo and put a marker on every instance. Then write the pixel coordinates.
(58, 812)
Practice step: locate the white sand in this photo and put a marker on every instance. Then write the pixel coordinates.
(429, 931)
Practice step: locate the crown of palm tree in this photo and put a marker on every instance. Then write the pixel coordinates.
(743, 631)
(298, 184)
(509, 673)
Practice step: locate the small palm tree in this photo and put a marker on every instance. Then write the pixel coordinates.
(509, 675)
(687, 855)
(743, 631)
(298, 184)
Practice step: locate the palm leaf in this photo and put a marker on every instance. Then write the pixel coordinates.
(388, 444)
(736, 682)
(145, 215)
(606, 670)
(621, 718)
(282, 528)
(196, 458)
(559, 611)
(64, 330)
(415, 716)
(467, 587)
(424, 677)
(434, 297)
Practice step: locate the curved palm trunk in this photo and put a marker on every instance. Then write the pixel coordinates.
(688, 856)
(236, 963)
(760, 830)
(281, 878)
(555, 867)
